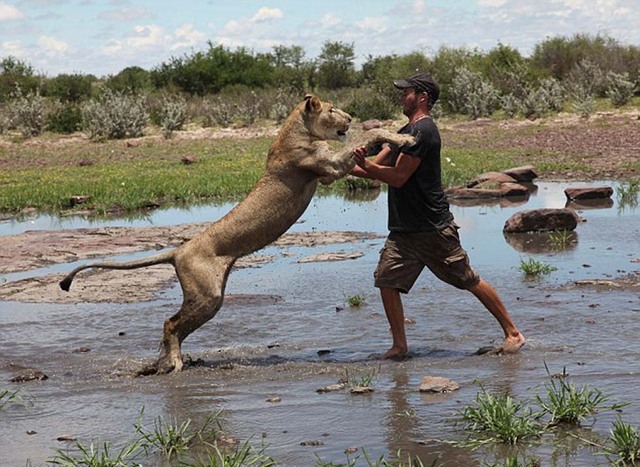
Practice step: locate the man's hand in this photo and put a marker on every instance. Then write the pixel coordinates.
(360, 156)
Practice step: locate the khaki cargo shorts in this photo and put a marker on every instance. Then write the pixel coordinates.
(405, 254)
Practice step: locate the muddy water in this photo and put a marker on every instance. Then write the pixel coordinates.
(288, 332)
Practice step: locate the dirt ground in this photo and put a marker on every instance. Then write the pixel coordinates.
(607, 145)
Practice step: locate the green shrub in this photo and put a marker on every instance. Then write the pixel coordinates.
(27, 113)
(65, 119)
(552, 93)
(471, 95)
(369, 105)
(583, 101)
(114, 115)
(173, 115)
(620, 89)
(217, 112)
(511, 105)
(70, 88)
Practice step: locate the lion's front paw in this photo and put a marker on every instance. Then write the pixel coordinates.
(405, 140)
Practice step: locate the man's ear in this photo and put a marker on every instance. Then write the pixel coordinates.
(313, 103)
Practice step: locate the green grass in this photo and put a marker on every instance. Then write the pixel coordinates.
(500, 419)
(355, 301)
(364, 379)
(132, 178)
(624, 444)
(7, 397)
(564, 403)
(534, 268)
(627, 194)
(559, 240)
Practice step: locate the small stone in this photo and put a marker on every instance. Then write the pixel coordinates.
(331, 388)
(438, 384)
(361, 390)
(315, 442)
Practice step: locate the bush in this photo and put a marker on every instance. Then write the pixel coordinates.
(553, 94)
(114, 115)
(620, 89)
(65, 119)
(217, 111)
(173, 115)
(70, 88)
(583, 102)
(471, 95)
(27, 113)
(286, 98)
(511, 105)
(588, 76)
(367, 105)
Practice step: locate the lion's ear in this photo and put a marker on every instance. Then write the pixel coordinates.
(313, 103)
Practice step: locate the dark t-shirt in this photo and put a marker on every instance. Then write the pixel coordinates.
(420, 204)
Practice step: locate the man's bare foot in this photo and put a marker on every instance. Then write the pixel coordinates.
(513, 344)
(395, 353)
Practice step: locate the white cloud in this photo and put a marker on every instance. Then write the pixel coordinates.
(329, 20)
(10, 13)
(146, 37)
(266, 14)
(493, 3)
(52, 46)
(187, 36)
(418, 7)
(125, 14)
(232, 28)
(374, 24)
(13, 48)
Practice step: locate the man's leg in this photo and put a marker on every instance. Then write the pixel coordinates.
(395, 315)
(513, 339)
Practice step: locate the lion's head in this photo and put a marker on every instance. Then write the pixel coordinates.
(324, 121)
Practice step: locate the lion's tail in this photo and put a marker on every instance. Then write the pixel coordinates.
(161, 258)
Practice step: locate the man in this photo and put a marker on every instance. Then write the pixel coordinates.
(422, 229)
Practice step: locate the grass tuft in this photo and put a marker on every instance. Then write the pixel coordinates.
(500, 419)
(356, 301)
(568, 404)
(534, 268)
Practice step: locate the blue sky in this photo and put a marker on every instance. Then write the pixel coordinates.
(103, 37)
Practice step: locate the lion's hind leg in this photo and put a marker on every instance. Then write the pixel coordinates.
(203, 283)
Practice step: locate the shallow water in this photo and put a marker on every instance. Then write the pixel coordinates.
(257, 349)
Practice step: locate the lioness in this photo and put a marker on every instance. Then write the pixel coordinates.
(298, 159)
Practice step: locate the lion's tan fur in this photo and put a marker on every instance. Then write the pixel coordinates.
(298, 159)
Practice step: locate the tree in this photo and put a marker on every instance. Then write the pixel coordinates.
(131, 79)
(16, 73)
(290, 67)
(70, 87)
(336, 67)
(211, 71)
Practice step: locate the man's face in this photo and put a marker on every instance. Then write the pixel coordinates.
(409, 100)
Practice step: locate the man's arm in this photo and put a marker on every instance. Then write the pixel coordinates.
(395, 175)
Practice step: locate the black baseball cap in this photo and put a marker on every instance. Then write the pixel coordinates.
(422, 82)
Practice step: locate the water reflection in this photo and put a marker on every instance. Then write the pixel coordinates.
(542, 242)
(604, 203)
